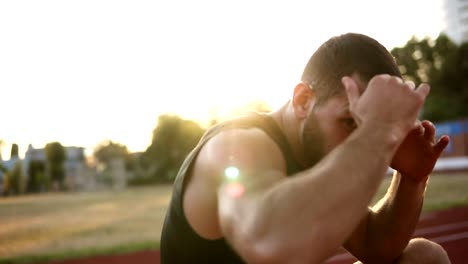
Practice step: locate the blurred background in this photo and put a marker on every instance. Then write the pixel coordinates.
(100, 101)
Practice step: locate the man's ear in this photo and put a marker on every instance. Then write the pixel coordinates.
(303, 99)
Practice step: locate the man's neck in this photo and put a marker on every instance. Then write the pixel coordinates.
(290, 126)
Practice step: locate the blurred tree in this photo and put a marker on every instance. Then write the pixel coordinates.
(443, 65)
(2, 167)
(108, 150)
(37, 177)
(13, 180)
(14, 152)
(1, 146)
(16, 179)
(173, 139)
(56, 156)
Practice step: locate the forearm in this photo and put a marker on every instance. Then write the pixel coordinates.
(394, 218)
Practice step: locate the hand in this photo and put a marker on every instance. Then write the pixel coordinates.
(419, 151)
(387, 103)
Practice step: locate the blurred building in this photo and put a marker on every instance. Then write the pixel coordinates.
(456, 18)
(458, 132)
(75, 163)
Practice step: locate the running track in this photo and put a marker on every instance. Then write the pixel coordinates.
(448, 228)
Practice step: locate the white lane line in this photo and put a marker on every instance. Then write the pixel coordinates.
(440, 228)
(449, 238)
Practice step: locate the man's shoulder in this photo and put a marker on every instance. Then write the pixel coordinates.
(248, 125)
(252, 138)
(244, 147)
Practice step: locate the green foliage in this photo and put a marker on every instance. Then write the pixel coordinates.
(17, 178)
(55, 153)
(56, 156)
(443, 65)
(1, 146)
(14, 151)
(13, 180)
(3, 169)
(173, 139)
(37, 177)
(109, 150)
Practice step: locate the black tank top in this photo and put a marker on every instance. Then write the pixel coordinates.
(180, 244)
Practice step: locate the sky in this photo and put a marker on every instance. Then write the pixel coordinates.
(82, 72)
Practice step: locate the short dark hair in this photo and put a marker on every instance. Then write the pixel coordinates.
(345, 55)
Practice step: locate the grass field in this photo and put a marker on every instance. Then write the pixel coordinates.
(65, 225)
(81, 222)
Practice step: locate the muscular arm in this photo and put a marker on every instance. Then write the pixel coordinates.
(385, 232)
(389, 225)
(302, 218)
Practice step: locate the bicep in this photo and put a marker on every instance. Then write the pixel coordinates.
(248, 163)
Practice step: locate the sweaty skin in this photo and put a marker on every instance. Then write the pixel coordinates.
(305, 218)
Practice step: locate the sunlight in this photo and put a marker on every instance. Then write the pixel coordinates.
(110, 75)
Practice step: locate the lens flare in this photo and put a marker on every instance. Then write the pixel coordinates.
(235, 190)
(231, 173)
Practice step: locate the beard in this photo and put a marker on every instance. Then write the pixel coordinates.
(313, 140)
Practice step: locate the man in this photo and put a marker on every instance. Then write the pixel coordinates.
(294, 185)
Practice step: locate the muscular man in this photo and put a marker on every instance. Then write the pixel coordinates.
(294, 185)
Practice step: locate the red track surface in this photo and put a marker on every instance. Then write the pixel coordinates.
(448, 228)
